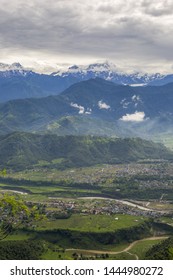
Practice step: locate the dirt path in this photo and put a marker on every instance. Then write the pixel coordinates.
(136, 256)
(119, 252)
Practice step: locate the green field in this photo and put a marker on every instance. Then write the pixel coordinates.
(144, 180)
(92, 223)
(141, 247)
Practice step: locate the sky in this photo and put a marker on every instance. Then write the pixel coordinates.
(134, 35)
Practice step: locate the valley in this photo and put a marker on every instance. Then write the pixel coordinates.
(86, 164)
(98, 212)
(86, 138)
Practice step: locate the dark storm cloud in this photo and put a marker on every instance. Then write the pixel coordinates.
(37, 27)
(119, 30)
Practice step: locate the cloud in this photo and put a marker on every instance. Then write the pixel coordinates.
(158, 8)
(81, 108)
(136, 117)
(103, 105)
(126, 32)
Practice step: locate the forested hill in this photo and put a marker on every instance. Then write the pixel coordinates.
(161, 251)
(21, 150)
(94, 107)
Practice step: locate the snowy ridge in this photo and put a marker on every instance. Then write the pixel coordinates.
(96, 68)
(109, 72)
(7, 70)
(105, 70)
(9, 67)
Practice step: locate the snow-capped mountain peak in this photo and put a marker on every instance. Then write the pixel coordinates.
(75, 73)
(7, 70)
(108, 71)
(11, 67)
(103, 70)
(16, 66)
(104, 66)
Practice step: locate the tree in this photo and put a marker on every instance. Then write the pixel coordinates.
(3, 172)
(14, 212)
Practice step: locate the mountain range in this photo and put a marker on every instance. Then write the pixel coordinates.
(17, 82)
(107, 71)
(24, 150)
(64, 118)
(95, 107)
(79, 101)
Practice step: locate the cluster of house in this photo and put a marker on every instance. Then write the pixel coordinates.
(106, 207)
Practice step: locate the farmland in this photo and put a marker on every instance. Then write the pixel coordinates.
(137, 181)
(95, 212)
(93, 223)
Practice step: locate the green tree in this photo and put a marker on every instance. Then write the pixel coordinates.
(14, 212)
(3, 172)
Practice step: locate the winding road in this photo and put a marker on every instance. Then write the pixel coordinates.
(126, 250)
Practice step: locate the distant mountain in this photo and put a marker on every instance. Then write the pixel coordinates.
(95, 107)
(15, 68)
(162, 80)
(24, 150)
(17, 82)
(107, 100)
(32, 114)
(107, 71)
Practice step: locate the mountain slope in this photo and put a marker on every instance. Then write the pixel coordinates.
(38, 113)
(17, 82)
(24, 150)
(90, 106)
(32, 114)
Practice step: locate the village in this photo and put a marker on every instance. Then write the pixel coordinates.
(56, 208)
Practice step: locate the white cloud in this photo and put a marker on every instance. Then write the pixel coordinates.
(135, 98)
(129, 32)
(88, 111)
(158, 8)
(103, 105)
(136, 117)
(81, 108)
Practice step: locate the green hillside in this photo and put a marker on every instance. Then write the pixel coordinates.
(161, 251)
(24, 150)
(81, 125)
